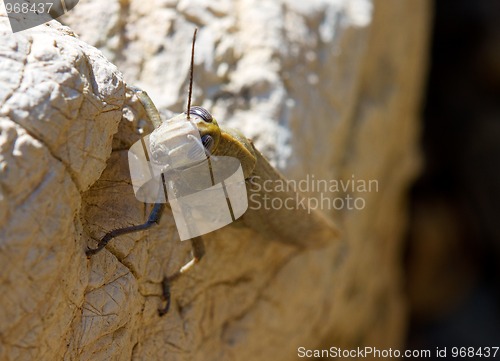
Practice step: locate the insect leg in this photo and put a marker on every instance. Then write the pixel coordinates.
(197, 251)
(154, 218)
(157, 211)
(148, 105)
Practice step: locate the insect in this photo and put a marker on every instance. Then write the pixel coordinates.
(215, 141)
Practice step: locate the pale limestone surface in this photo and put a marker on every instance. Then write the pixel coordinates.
(60, 104)
(325, 88)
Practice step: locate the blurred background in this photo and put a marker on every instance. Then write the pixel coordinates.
(453, 249)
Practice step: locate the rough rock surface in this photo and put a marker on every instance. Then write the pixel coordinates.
(60, 104)
(325, 88)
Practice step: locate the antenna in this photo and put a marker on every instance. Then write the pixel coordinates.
(191, 74)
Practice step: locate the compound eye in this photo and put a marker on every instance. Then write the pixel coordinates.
(197, 152)
(202, 113)
(207, 142)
